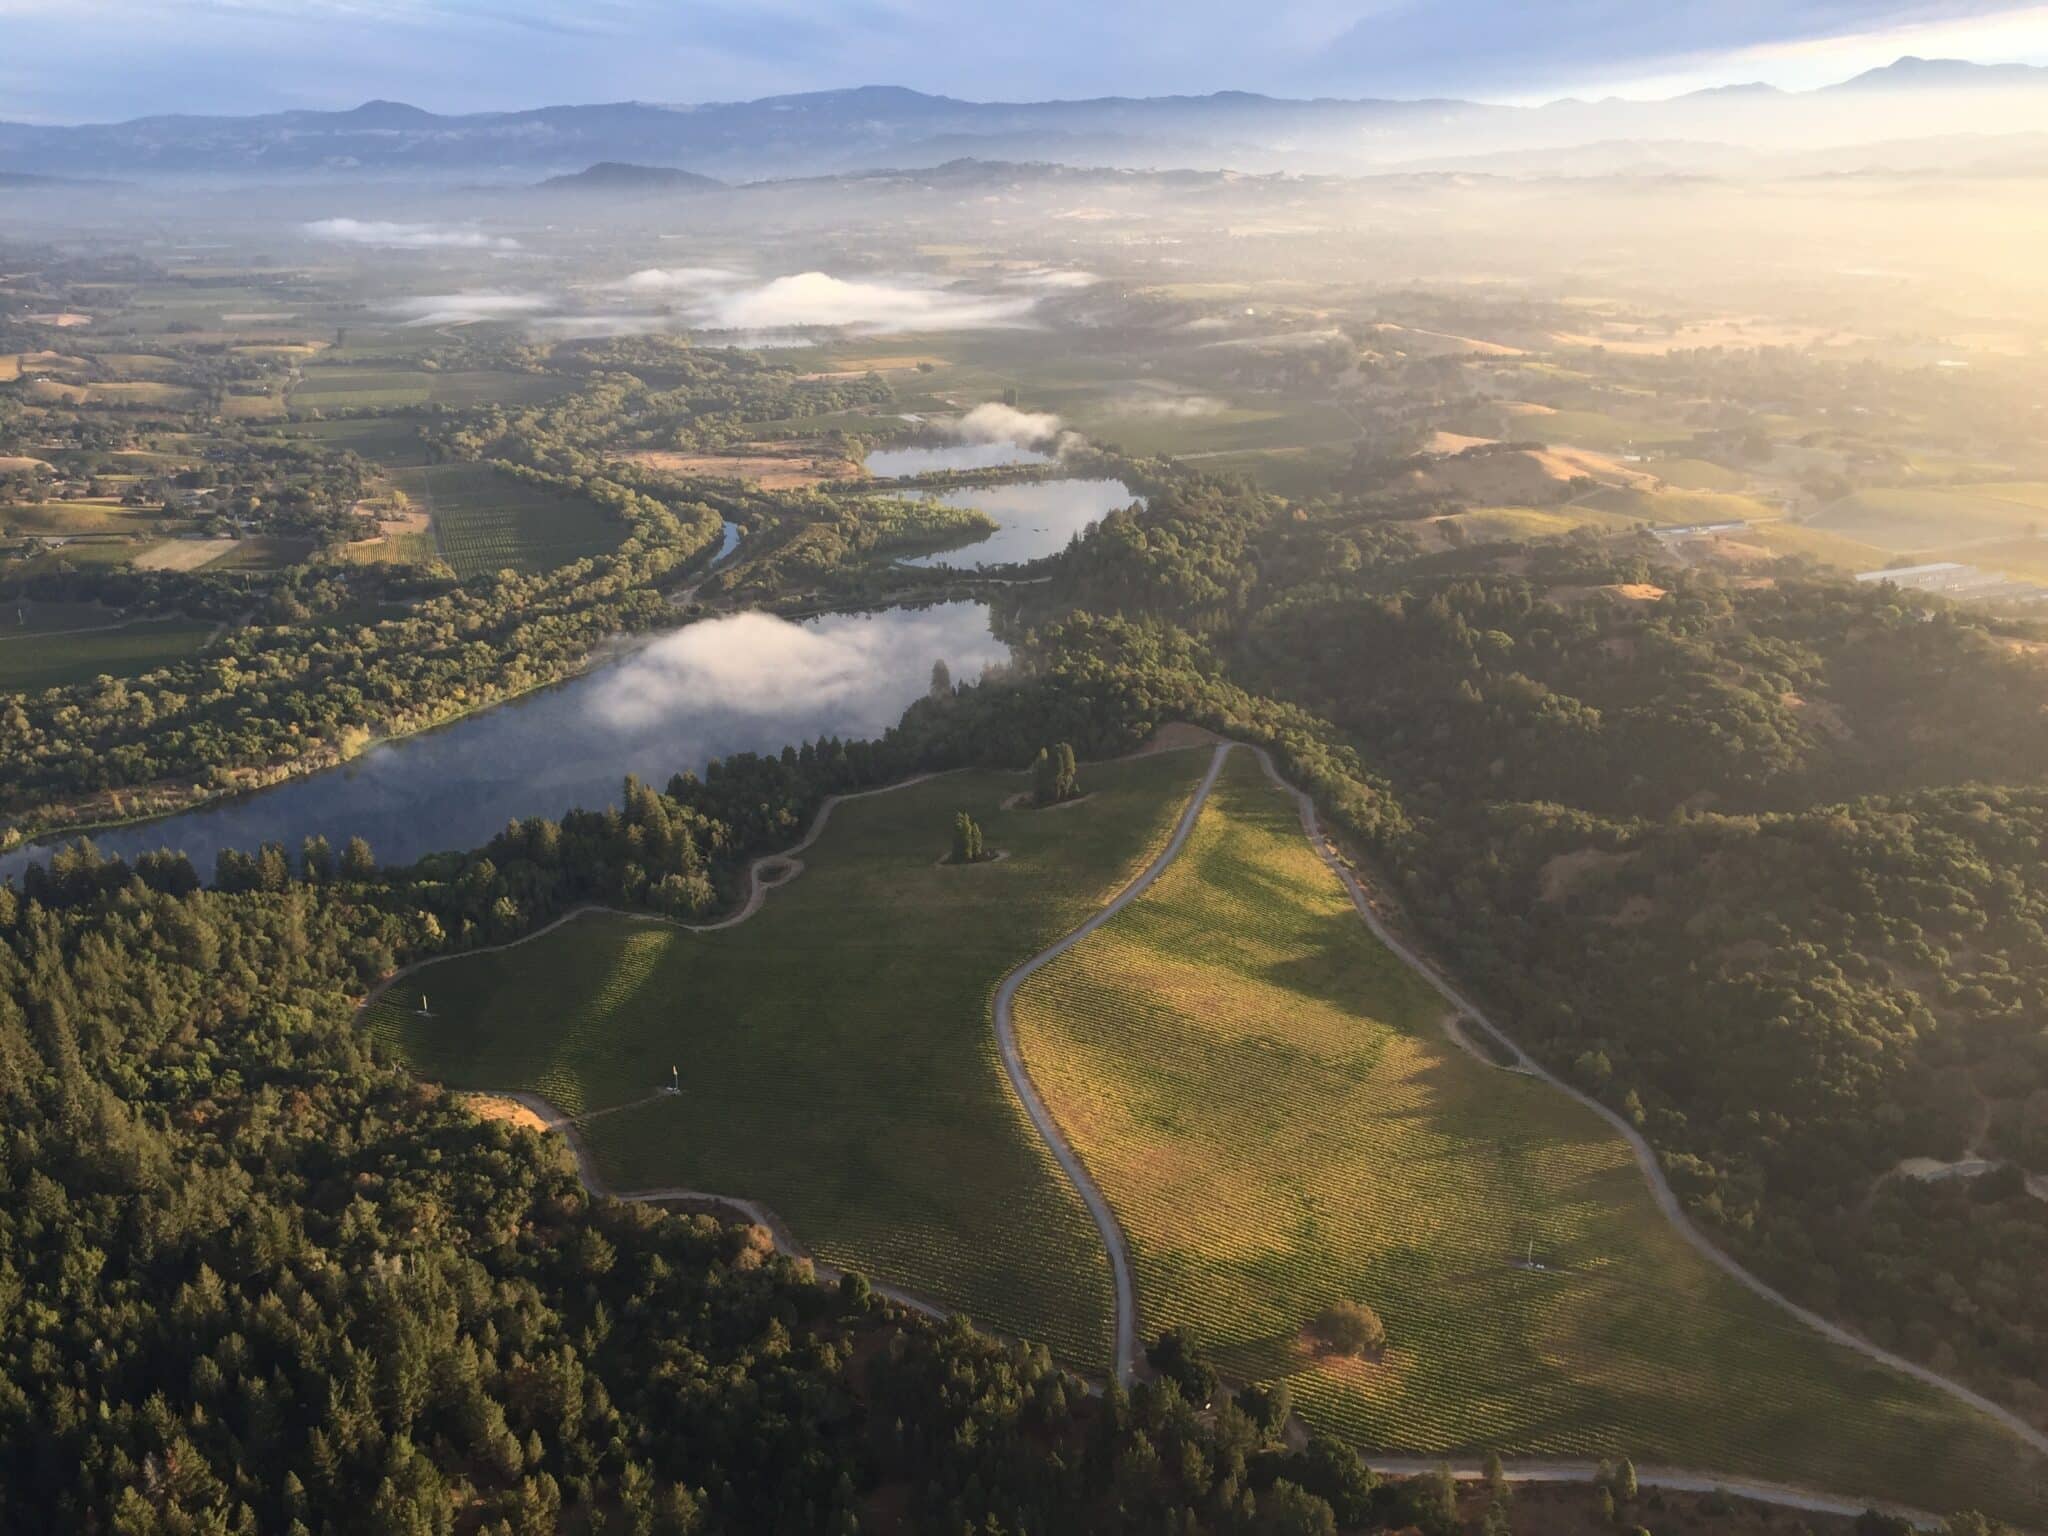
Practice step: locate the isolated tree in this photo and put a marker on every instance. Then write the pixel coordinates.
(1174, 1356)
(1044, 778)
(317, 860)
(1054, 776)
(1351, 1328)
(1286, 1509)
(1625, 1480)
(357, 862)
(966, 840)
(1267, 1407)
(1497, 1479)
(942, 680)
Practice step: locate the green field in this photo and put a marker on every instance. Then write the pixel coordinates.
(328, 386)
(1484, 525)
(1268, 1100)
(46, 660)
(1678, 508)
(487, 521)
(837, 1054)
(1697, 474)
(1783, 538)
(1913, 519)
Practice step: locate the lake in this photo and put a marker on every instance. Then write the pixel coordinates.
(748, 682)
(894, 463)
(1036, 518)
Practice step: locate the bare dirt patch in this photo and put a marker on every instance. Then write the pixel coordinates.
(1177, 735)
(1021, 801)
(489, 1106)
(63, 319)
(1620, 591)
(183, 554)
(1521, 476)
(1454, 442)
(772, 466)
(14, 463)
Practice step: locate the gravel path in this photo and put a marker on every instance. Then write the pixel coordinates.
(1126, 1354)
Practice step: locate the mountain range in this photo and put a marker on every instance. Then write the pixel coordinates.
(885, 126)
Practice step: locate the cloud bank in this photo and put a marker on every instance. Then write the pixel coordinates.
(469, 306)
(385, 235)
(848, 668)
(997, 423)
(657, 280)
(809, 299)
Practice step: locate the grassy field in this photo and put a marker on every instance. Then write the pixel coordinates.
(1668, 507)
(331, 386)
(837, 1055)
(33, 661)
(487, 521)
(1697, 474)
(1910, 519)
(1268, 1101)
(1484, 525)
(1783, 538)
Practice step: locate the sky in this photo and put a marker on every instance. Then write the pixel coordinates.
(105, 60)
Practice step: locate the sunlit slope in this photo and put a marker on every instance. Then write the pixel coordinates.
(1272, 1108)
(836, 1051)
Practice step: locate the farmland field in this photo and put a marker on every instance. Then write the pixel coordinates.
(1678, 507)
(341, 386)
(1487, 524)
(488, 521)
(51, 659)
(837, 1053)
(1924, 519)
(1269, 1102)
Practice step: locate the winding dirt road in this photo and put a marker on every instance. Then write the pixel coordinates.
(1126, 1350)
(1125, 1356)
(1660, 1188)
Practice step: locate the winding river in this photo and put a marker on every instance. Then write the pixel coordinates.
(652, 707)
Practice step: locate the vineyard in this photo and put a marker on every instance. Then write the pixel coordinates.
(486, 521)
(1270, 1104)
(836, 1050)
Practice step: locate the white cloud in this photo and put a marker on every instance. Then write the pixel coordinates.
(469, 306)
(819, 299)
(677, 279)
(993, 422)
(406, 237)
(1053, 278)
(1171, 407)
(848, 666)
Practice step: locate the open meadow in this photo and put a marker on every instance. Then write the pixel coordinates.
(836, 1051)
(1269, 1101)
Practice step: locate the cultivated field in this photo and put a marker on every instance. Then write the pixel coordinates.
(1268, 1100)
(837, 1052)
(487, 521)
(1911, 519)
(29, 661)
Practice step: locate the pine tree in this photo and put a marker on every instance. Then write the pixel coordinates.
(1067, 780)
(966, 840)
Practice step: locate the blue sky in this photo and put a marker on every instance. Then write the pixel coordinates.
(95, 60)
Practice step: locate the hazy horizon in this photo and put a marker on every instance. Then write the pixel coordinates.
(114, 60)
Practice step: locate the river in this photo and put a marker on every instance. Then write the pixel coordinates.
(654, 707)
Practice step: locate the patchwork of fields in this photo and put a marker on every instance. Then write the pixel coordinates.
(836, 1050)
(1269, 1102)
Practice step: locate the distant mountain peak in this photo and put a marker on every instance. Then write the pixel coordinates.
(1910, 71)
(619, 176)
